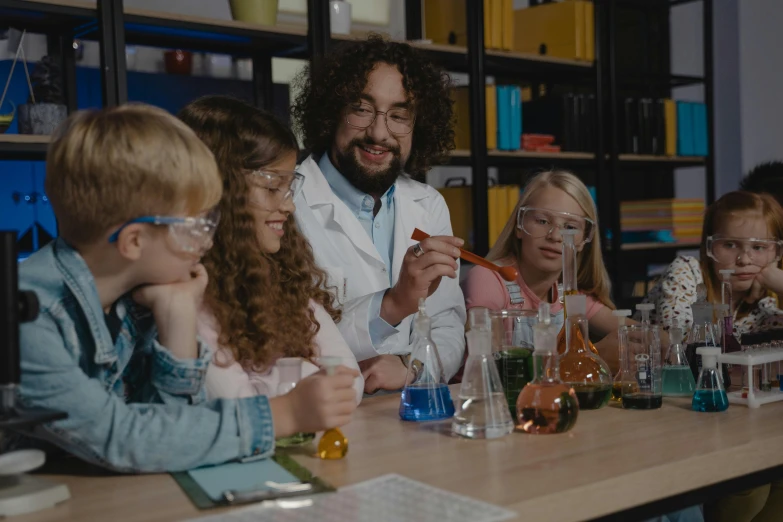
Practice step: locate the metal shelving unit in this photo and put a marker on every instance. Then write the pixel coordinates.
(113, 25)
(619, 255)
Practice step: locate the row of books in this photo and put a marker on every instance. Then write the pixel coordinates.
(670, 220)
(664, 127)
(570, 118)
(503, 117)
(551, 123)
(557, 29)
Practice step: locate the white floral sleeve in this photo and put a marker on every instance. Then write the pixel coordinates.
(675, 292)
(766, 316)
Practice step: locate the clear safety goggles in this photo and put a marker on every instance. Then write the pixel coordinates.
(539, 222)
(277, 186)
(192, 235)
(760, 252)
(399, 121)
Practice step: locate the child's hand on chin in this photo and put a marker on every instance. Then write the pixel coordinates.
(165, 298)
(175, 308)
(770, 278)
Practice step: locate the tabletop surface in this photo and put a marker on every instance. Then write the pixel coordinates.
(612, 460)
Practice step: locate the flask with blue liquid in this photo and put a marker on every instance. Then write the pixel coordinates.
(426, 395)
(710, 395)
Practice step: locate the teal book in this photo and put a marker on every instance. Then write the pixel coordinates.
(685, 142)
(700, 142)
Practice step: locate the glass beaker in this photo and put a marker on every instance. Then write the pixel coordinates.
(482, 410)
(546, 405)
(624, 377)
(333, 444)
(678, 380)
(289, 371)
(580, 368)
(428, 397)
(710, 395)
(644, 363)
(512, 346)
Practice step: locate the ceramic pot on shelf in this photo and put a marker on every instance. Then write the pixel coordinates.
(340, 17)
(261, 12)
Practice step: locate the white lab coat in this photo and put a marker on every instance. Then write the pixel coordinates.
(344, 249)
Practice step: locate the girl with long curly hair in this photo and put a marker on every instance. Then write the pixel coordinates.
(265, 299)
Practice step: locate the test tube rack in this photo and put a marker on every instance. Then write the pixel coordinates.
(749, 359)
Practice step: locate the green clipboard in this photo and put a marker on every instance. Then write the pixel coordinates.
(203, 499)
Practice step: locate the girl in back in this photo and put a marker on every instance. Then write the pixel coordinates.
(265, 298)
(531, 241)
(742, 232)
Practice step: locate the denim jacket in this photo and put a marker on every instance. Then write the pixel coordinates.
(132, 406)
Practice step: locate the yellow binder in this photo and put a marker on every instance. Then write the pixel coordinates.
(461, 122)
(557, 27)
(512, 196)
(488, 24)
(491, 104)
(589, 31)
(444, 22)
(460, 209)
(496, 197)
(496, 10)
(670, 118)
(461, 125)
(507, 13)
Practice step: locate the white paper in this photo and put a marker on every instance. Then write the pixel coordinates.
(388, 498)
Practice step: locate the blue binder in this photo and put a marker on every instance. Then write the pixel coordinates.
(685, 141)
(504, 118)
(700, 144)
(516, 116)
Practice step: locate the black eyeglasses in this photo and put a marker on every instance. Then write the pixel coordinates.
(399, 121)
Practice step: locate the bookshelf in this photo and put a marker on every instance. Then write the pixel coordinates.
(112, 25)
(23, 147)
(659, 246)
(628, 262)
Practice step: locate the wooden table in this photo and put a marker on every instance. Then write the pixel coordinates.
(637, 463)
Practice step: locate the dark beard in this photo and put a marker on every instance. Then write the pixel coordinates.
(373, 183)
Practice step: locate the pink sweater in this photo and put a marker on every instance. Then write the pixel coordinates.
(231, 381)
(484, 287)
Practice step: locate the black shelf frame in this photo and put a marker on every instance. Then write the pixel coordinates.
(22, 151)
(112, 27)
(614, 252)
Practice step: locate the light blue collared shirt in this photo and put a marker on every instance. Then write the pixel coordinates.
(379, 227)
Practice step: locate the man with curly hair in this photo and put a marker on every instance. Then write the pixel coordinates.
(375, 116)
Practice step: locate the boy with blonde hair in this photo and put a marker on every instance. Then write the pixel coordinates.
(115, 343)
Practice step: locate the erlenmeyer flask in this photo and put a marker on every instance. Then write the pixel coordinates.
(333, 444)
(482, 411)
(512, 346)
(569, 284)
(427, 398)
(702, 330)
(678, 380)
(546, 405)
(710, 394)
(580, 368)
(624, 378)
(289, 370)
